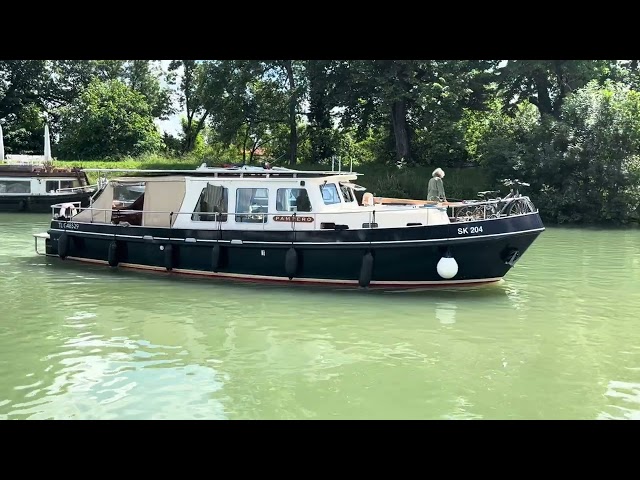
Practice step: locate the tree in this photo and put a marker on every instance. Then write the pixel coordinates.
(21, 86)
(322, 81)
(144, 77)
(108, 120)
(199, 93)
(247, 108)
(409, 95)
(546, 83)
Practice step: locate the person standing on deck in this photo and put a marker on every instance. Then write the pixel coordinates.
(435, 190)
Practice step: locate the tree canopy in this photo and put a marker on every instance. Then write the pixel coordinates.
(569, 126)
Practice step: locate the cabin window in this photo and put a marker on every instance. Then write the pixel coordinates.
(15, 186)
(347, 193)
(124, 194)
(252, 204)
(69, 183)
(52, 186)
(212, 205)
(329, 193)
(293, 200)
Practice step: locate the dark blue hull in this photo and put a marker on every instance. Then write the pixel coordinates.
(484, 251)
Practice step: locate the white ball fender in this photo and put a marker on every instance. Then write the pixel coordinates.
(447, 267)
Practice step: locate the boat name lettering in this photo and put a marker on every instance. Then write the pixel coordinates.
(68, 225)
(291, 218)
(468, 230)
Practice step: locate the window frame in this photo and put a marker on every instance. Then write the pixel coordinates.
(296, 207)
(217, 217)
(244, 217)
(336, 196)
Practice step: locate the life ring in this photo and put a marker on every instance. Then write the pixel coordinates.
(63, 210)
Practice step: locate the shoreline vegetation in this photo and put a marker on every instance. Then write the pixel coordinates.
(461, 183)
(381, 180)
(568, 128)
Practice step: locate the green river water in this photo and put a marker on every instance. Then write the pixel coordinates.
(558, 339)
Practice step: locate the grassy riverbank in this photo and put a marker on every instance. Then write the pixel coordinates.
(379, 179)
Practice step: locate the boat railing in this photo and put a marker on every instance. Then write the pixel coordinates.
(81, 189)
(475, 210)
(462, 211)
(66, 212)
(32, 160)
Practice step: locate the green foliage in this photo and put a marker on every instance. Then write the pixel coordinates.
(459, 183)
(108, 120)
(583, 167)
(568, 127)
(144, 76)
(172, 145)
(360, 153)
(25, 134)
(546, 83)
(21, 104)
(418, 104)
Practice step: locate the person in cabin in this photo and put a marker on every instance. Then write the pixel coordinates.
(435, 189)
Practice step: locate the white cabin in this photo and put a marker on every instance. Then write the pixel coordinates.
(252, 199)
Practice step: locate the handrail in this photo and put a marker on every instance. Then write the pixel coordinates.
(233, 171)
(83, 188)
(371, 210)
(497, 206)
(361, 209)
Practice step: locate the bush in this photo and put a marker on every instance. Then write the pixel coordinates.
(584, 167)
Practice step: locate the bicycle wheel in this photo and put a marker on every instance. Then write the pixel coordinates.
(518, 207)
(471, 213)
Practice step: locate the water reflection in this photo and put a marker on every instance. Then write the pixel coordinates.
(446, 312)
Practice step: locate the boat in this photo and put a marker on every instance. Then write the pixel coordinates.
(31, 183)
(290, 226)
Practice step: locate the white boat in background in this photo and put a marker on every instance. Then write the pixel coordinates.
(31, 183)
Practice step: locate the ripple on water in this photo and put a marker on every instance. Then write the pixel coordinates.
(84, 341)
(120, 385)
(625, 401)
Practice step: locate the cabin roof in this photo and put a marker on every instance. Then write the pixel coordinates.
(28, 171)
(229, 173)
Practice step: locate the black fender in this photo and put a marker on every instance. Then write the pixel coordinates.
(291, 263)
(168, 257)
(216, 254)
(366, 270)
(112, 255)
(63, 245)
